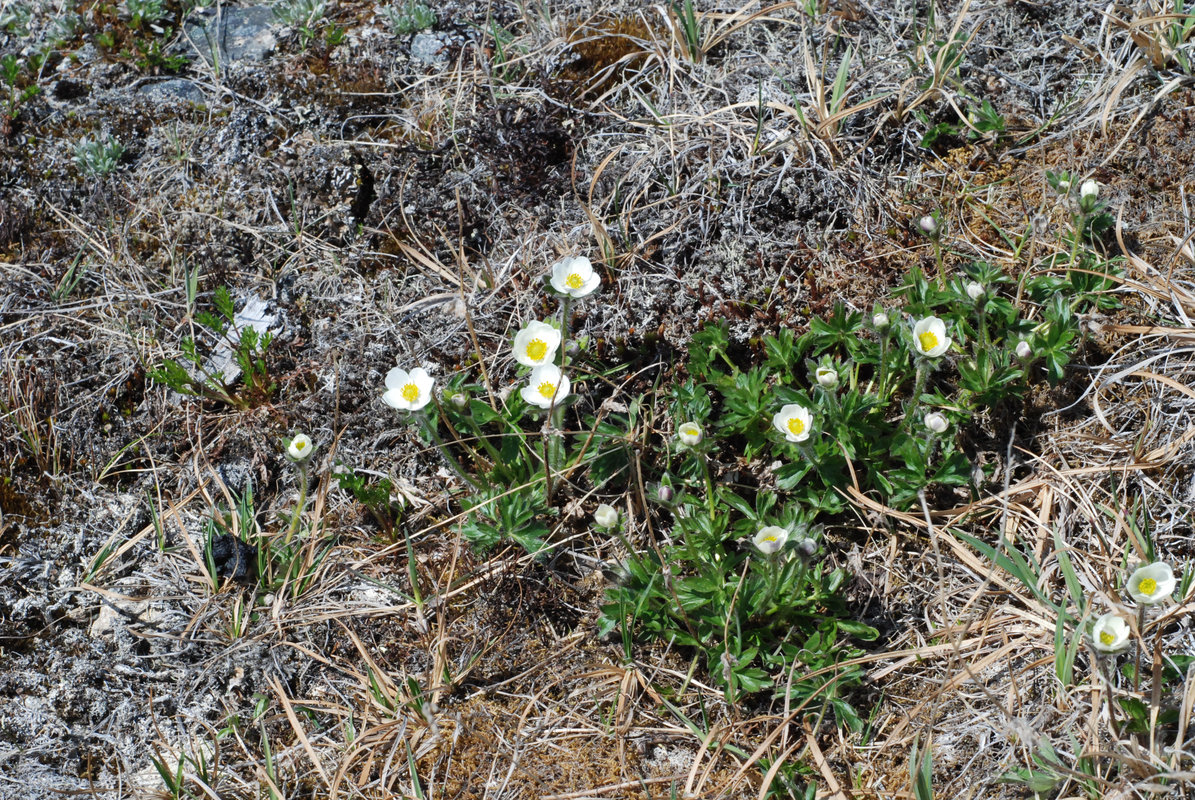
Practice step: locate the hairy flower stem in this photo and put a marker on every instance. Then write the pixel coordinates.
(429, 425)
(709, 483)
(1140, 646)
(298, 512)
(938, 260)
(918, 388)
(565, 302)
(883, 388)
(551, 425)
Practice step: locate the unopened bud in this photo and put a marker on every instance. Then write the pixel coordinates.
(1089, 189)
(665, 494)
(880, 321)
(928, 225)
(605, 516)
(806, 548)
(826, 377)
(975, 290)
(690, 434)
(1024, 351)
(936, 423)
(458, 399)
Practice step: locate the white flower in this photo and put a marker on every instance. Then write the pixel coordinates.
(936, 423)
(928, 224)
(1089, 189)
(794, 422)
(1024, 350)
(300, 447)
(880, 321)
(690, 434)
(408, 391)
(1152, 584)
(826, 377)
(574, 276)
(605, 516)
(536, 344)
(770, 539)
(1110, 633)
(929, 337)
(975, 290)
(546, 387)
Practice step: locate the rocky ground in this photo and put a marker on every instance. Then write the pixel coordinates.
(390, 185)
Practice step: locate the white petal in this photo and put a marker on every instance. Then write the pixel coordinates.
(395, 378)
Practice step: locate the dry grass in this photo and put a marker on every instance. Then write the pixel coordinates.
(750, 183)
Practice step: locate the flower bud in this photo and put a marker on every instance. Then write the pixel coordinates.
(936, 423)
(458, 399)
(976, 290)
(827, 378)
(807, 548)
(770, 539)
(1024, 351)
(690, 434)
(605, 516)
(1089, 189)
(300, 448)
(665, 493)
(880, 321)
(928, 225)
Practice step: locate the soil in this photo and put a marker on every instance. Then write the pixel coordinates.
(397, 197)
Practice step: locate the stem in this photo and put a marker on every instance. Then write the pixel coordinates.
(709, 483)
(938, 261)
(565, 302)
(1140, 646)
(918, 388)
(298, 512)
(883, 364)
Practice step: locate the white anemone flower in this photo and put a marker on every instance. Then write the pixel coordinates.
(300, 447)
(574, 276)
(827, 378)
(546, 387)
(929, 337)
(1110, 633)
(770, 539)
(605, 516)
(408, 391)
(936, 423)
(1152, 584)
(690, 434)
(794, 421)
(536, 344)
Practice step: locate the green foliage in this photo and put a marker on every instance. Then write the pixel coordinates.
(411, 17)
(193, 376)
(18, 88)
(374, 495)
(98, 157)
(303, 15)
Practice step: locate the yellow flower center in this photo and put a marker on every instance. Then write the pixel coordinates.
(928, 341)
(410, 392)
(1106, 639)
(1148, 586)
(796, 425)
(299, 446)
(547, 389)
(574, 280)
(770, 539)
(537, 349)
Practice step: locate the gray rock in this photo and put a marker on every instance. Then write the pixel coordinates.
(242, 34)
(175, 90)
